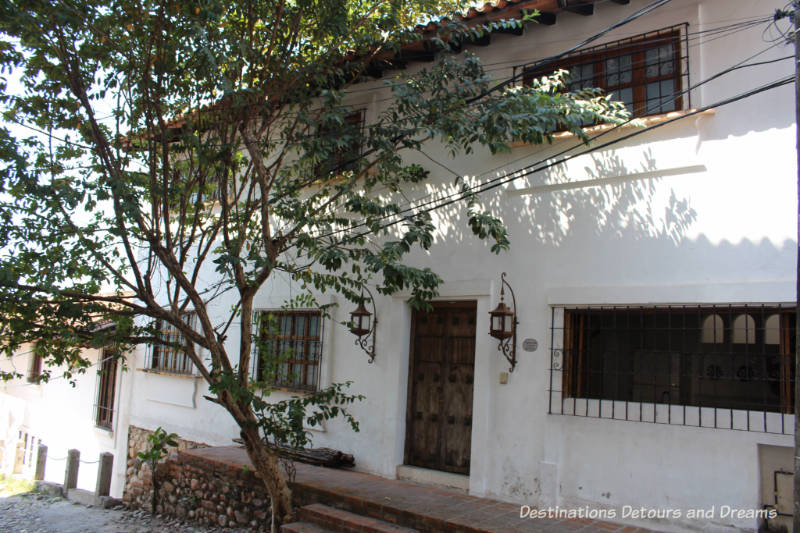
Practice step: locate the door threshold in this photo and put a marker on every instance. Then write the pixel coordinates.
(438, 478)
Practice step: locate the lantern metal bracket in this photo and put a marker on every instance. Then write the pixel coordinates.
(367, 340)
(508, 346)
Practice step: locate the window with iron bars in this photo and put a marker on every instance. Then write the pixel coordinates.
(289, 348)
(171, 358)
(648, 72)
(35, 366)
(106, 389)
(721, 366)
(344, 157)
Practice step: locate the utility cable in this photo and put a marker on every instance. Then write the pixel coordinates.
(741, 64)
(493, 184)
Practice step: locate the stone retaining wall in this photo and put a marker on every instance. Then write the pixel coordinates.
(139, 481)
(214, 493)
(191, 488)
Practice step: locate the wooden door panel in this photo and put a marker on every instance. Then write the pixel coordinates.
(439, 427)
(426, 413)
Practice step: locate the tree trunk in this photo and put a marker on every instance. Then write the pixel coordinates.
(268, 468)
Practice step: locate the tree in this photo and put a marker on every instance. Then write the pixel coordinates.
(177, 137)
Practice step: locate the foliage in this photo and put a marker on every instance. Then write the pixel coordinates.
(188, 154)
(13, 485)
(159, 440)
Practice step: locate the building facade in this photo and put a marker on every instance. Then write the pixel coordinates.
(653, 279)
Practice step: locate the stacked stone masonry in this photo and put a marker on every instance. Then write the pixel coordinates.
(194, 489)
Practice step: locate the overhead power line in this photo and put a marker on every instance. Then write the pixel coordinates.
(493, 184)
(741, 64)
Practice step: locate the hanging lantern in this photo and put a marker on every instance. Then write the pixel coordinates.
(502, 321)
(503, 324)
(360, 320)
(362, 325)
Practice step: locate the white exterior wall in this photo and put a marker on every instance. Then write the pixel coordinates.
(62, 416)
(720, 228)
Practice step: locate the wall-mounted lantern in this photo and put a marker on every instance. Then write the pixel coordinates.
(362, 325)
(503, 324)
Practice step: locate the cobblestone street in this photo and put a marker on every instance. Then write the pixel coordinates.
(38, 513)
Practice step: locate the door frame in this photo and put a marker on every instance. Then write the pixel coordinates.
(451, 304)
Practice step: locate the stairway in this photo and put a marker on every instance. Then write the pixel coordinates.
(319, 518)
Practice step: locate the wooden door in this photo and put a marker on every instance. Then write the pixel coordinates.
(439, 414)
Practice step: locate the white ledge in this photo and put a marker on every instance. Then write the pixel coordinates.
(168, 373)
(646, 121)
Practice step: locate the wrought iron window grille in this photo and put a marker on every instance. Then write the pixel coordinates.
(714, 366)
(648, 72)
(171, 359)
(288, 348)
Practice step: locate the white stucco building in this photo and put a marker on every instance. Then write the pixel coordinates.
(656, 275)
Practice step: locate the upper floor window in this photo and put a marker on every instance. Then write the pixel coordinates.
(289, 347)
(106, 390)
(647, 72)
(693, 365)
(171, 358)
(35, 366)
(347, 138)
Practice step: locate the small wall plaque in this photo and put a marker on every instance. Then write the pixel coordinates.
(530, 345)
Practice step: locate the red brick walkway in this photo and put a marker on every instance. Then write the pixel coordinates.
(421, 507)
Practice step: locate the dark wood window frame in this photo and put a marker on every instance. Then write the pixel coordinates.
(637, 49)
(35, 368)
(289, 348)
(106, 390)
(345, 158)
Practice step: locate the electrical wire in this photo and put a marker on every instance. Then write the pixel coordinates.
(736, 66)
(497, 182)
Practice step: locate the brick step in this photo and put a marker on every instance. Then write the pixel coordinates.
(303, 527)
(346, 522)
(424, 515)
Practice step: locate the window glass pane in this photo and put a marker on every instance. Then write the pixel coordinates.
(300, 325)
(654, 97)
(612, 71)
(626, 68)
(313, 350)
(618, 70)
(311, 376)
(668, 95)
(651, 63)
(286, 324)
(666, 56)
(285, 349)
(313, 326)
(625, 96)
(581, 76)
(772, 330)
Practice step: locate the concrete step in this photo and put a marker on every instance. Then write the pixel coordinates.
(303, 527)
(346, 522)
